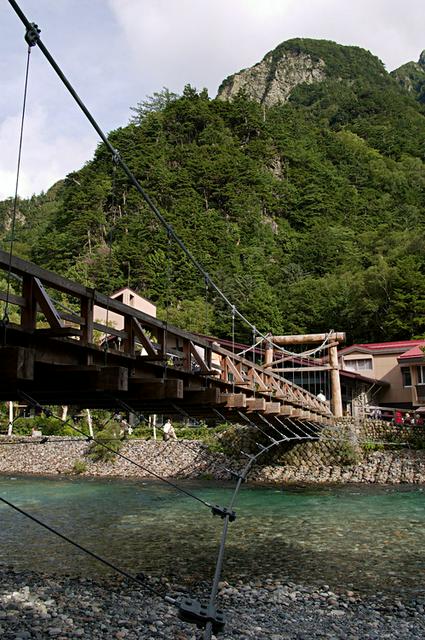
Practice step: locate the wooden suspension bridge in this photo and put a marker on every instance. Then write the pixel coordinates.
(51, 353)
(54, 351)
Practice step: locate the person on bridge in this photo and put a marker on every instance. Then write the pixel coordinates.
(168, 431)
(321, 396)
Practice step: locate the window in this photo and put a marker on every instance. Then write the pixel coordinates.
(407, 378)
(359, 364)
(421, 373)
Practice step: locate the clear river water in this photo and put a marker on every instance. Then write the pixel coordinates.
(366, 538)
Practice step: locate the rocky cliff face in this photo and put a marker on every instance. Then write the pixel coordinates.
(411, 76)
(302, 61)
(272, 80)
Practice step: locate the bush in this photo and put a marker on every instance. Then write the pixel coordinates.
(79, 466)
(348, 454)
(214, 437)
(48, 426)
(368, 447)
(109, 436)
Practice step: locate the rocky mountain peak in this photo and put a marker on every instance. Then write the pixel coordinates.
(411, 77)
(272, 80)
(299, 61)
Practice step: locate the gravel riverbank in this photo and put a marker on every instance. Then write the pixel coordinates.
(36, 607)
(316, 463)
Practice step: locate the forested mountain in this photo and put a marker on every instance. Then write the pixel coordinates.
(307, 210)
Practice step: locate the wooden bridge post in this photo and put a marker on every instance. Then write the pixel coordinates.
(187, 358)
(268, 354)
(334, 339)
(336, 398)
(87, 313)
(29, 312)
(129, 342)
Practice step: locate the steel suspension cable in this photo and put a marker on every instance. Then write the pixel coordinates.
(88, 552)
(33, 34)
(117, 453)
(5, 320)
(227, 520)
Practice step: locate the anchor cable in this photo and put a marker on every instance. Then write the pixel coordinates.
(5, 319)
(117, 453)
(88, 552)
(33, 35)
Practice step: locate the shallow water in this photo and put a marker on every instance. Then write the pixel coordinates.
(365, 537)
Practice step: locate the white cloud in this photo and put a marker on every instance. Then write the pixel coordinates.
(119, 51)
(45, 157)
(203, 41)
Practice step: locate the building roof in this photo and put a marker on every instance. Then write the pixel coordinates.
(398, 346)
(344, 373)
(134, 293)
(414, 352)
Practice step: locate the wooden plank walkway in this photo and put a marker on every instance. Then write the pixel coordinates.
(59, 354)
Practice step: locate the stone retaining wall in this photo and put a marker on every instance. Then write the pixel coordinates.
(181, 459)
(379, 467)
(330, 460)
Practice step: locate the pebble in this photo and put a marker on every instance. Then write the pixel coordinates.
(66, 609)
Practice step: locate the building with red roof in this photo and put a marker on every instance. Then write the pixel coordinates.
(400, 364)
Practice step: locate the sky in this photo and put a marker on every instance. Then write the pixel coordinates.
(118, 52)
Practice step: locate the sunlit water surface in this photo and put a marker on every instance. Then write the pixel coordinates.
(368, 538)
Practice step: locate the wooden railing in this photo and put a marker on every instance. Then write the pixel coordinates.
(48, 305)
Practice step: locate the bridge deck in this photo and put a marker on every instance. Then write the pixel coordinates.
(62, 356)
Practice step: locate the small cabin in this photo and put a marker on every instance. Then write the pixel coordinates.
(126, 296)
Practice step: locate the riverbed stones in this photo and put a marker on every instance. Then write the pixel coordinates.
(268, 609)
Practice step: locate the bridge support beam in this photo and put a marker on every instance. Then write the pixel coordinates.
(336, 398)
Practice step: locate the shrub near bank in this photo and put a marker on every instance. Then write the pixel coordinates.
(47, 426)
(108, 443)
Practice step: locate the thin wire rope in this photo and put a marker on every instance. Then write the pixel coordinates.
(88, 552)
(37, 40)
(256, 426)
(167, 302)
(109, 237)
(220, 557)
(233, 346)
(308, 352)
(187, 444)
(118, 453)
(205, 455)
(5, 320)
(206, 307)
(250, 348)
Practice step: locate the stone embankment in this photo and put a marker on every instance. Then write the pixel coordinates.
(38, 607)
(381, 467)
(342, 456)
(181, 459)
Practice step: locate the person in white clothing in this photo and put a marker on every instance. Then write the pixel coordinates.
(321, 396)
(168, 431)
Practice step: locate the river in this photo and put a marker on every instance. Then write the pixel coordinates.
(366, 538)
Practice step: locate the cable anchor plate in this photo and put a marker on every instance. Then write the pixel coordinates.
(223, 512)
(190, 610)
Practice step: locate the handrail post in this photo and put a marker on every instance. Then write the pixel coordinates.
(29, 312)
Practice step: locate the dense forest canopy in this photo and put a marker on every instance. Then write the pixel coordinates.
(309, 215)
